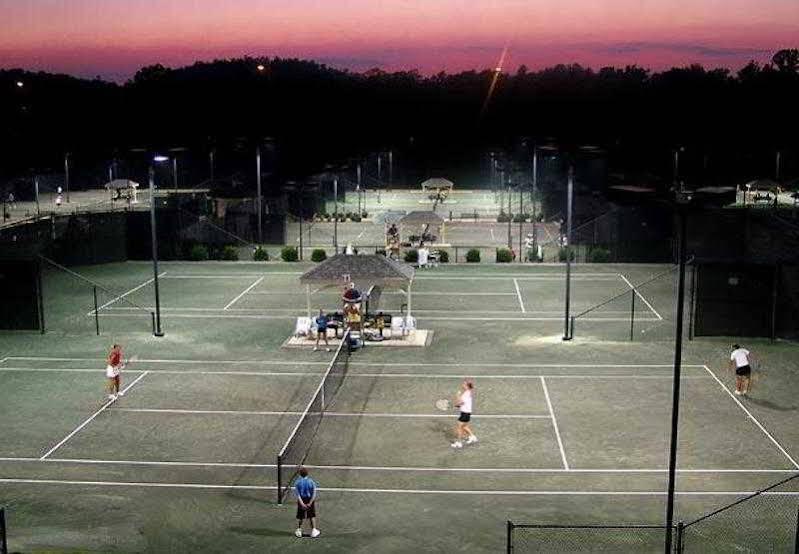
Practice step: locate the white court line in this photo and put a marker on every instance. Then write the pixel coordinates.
(121, 296)
(354, 363)
(327, 414)
(554, 424)
(494, 277)
(519, 295)
(410, 469)
(486, 492)
(491, 229)
(641, 296)
(3, 360)
(85, 423)
(357, 375)
(399, 293)
(753, 418)
(245, 291)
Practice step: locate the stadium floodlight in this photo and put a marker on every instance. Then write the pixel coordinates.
(260, 67)
(158, 158)
(20, 84)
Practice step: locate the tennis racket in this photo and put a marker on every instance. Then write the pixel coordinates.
(443, 404)
(131, 360)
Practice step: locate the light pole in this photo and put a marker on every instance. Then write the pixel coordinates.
(533, 198)
(358, 173)
(36, 192)
(568, 246)
(66, 175)
(154, 237)
(211, 154)
(677, 164)
(335, 213)
(777, 168)
(258, 192)
(510, 218)
(390, 168)
(682, 201)
(300, 198)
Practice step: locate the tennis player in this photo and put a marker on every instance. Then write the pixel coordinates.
(464, 403)
(112, 372)
(739, 360)
(305, 488)
(321, 322)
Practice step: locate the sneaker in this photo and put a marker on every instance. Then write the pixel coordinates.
(316, 349)
(738, 393)
(457, 444)
(298, 533)
(120, 393)
(327, 350)
(112, 397)
(471, 440)
(315, 533)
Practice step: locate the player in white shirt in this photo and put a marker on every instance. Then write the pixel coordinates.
(739, 360)
(464, 403)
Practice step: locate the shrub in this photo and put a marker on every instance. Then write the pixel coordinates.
(504, 256)
(356, 218)
(599, 255)
(411, 256)
(562, 254)
(473, 256)
(365, 214)
(503, 217)
(520, 218)
(318, 255)
(260, 255)
(443, 256)
(230, 254)
(289, 254)
(198, 253)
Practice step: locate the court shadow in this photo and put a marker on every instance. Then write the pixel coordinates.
(261, 531)
(768, 404)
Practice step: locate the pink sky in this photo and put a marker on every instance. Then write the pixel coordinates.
(113, 38)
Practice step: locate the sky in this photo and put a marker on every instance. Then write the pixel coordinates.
(114, 38)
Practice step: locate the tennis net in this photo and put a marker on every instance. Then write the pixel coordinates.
(297, 446)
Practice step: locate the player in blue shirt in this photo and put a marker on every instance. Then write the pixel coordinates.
(305, 488)
(321, 322)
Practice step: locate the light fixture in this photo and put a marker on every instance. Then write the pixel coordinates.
(158, 158)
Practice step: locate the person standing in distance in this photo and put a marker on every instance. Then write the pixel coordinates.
(464, 404)
(112, 372)
(305, 488)
(739, 360)
(321, 322)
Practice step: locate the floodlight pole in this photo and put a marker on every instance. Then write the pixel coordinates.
(510, 218)
(777, 167)
(258, 199)
(175, 172)
(211, 163)
(157, 331)
(36, 191)
(301, 205)
(335, 213)
(675, 395)
(390, 168)
(358, 173)
(521, 221)
(66, 175)
(568, 247)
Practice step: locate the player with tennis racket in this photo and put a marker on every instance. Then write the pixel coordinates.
(464, 401)
(113, 370)
(741, 360)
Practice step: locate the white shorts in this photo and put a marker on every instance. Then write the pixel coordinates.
(111, 371)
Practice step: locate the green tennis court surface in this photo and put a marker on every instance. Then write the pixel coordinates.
(568, 432)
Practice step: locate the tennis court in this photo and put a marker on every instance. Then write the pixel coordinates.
(568, 432)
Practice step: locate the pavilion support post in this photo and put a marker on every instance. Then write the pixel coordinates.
(308, 299)
(408, 317)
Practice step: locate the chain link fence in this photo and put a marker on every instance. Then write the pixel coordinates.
(524, 538)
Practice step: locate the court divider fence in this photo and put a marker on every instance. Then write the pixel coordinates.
(764, 521)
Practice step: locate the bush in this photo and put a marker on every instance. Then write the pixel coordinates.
(443, 256)
(365, 214)
(260, 255)
(503, 217)
(230, 254)
(289, 254)
(599, 255)
(411, 256)
(562, 254)
(318, 255)
(198, 253)
(356, 218)
(473, 256)
(520, 218)
(504, 256)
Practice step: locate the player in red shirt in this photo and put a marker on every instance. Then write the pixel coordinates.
(112, 372)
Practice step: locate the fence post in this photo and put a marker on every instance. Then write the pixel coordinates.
(509, 537)
(279, 482)
(678, 546)
(456, 254)
(632, 314)
(152, 315)
(96, 313)
(3, 539)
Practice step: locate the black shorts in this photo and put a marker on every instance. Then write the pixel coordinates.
(306, 514)
(743, 371)
(465, 417)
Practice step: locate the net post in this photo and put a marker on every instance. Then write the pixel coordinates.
(3, 538)
(96, 312)
(692, 303)
(40, 295)
(632, 314)
(152, 316)
(509, 537)
(796, 537)
(678, 546)
(279, 482)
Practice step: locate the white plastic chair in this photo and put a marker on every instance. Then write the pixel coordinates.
(303, 328)
(397, 326)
